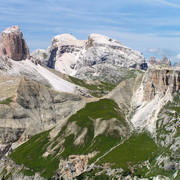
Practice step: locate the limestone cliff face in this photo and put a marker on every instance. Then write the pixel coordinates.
(157, 88)
(63, 51)
(13, 45)
(104, 50)
(103, 57)
(122, 94)
(158, 80)
(97, 57)
(27, 108)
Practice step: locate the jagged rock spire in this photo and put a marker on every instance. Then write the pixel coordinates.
(13, 45)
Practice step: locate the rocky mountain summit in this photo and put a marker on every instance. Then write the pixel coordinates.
(104, 50)
(86, 109)
(161, 79)
(92, 58)
(13, 45)
(164, 60)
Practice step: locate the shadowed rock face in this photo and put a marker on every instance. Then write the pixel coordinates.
(13, 45)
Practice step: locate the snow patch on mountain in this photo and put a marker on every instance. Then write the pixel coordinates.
(27, 67)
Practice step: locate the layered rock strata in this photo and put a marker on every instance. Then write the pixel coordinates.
(13, 45)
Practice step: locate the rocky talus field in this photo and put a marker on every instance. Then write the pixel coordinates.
(86, 110)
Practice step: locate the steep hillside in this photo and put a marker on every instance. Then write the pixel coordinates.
(28, 108)
(85, 133)
(98, 117)
(99, 141)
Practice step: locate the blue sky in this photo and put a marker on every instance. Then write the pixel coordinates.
(150, 26)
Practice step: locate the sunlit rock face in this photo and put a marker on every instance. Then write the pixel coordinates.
(13, 45)
(159, 79)
(89, 58)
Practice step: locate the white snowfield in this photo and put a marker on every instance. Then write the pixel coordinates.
(27, 66)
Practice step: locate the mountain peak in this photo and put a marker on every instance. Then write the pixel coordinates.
(101, 39)
(13, 45)
(66, 39)
(12, 29)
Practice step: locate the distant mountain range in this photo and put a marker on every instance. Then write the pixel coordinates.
(86, 109)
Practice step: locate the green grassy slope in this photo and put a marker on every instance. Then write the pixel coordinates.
(104, 109)
(97, 89)
(103, 84)
(138, 148)
(131, 155)
(30, 153)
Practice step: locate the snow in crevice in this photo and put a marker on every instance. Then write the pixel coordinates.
(40, 72)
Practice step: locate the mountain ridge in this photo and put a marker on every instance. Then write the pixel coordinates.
(99, 116)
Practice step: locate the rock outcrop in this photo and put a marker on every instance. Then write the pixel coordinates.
(28, 108)
(40, 56)
(63, 51)
(104, 50)
(153, 60)
(158, 80)
(13, 45)
(74, 166)
(164, 60)
(158, 85)
(122, 94)
(104, 58)
(88, 59)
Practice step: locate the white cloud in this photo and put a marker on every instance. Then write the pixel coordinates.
(177, 56)
(160, 52)
(171, 4)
